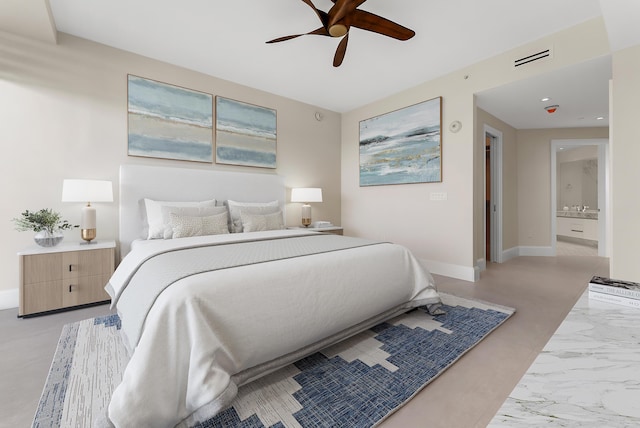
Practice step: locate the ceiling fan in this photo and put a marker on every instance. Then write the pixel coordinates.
(345, 14)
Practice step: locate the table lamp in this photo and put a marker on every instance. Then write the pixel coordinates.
(306, 195)
(87, 191)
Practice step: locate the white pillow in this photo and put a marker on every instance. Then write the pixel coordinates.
(186, 211)
(236, 208)
(154, 214)
(258, 222)
(184, 226)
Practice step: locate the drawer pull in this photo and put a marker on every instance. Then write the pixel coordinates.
(69, 288)
(70, 268)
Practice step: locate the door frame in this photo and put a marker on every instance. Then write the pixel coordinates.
(602, 145)
(496, 194)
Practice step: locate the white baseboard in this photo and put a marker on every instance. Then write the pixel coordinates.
(481, 265)
(536, 251)
(466, 273)
(9, 299)
(511, 253)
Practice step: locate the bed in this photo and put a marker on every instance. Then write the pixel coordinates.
(203, 314)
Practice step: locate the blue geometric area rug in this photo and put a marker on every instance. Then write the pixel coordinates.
(356, 383)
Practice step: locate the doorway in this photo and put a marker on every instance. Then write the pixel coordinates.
(493, 194)
(579, 197)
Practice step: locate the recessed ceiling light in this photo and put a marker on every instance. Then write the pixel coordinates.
(545, 99)
(600, 118)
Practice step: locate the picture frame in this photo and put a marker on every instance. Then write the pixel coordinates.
(168, 122)
(403, 146)
(246, 134)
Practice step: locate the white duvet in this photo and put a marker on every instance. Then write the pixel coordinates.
(209, 333)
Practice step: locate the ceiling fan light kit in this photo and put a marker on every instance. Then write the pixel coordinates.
(338, 30)
(345, 14)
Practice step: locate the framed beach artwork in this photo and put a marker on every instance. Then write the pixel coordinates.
(245, 134)
(402, 146)
(169, 122)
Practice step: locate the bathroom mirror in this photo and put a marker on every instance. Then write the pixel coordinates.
(577, 178)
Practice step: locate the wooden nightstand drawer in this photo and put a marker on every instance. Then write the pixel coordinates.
(42, 297)
(42, 267)
(84, 290)
(87, 263)
(65, 276)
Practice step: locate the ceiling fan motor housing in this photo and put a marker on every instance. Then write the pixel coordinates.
(345, 14)
(338, 30)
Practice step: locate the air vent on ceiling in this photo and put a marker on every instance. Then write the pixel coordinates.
(539, 56)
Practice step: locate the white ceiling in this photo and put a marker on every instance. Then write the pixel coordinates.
(226, 39)
(581, 92)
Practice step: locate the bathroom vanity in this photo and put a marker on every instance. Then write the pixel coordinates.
(577, 224)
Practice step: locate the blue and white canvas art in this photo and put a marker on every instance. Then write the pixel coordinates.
(403, 146)
(245, 134)
(169, 122)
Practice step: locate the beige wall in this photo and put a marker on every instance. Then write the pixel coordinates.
(534, 180)
(509, 184)
(442, 233)
(625, 155)
(63, 110)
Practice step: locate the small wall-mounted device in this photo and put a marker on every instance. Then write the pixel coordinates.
(321, 224)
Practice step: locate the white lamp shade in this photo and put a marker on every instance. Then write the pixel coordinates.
(306, 194)
(87, 191)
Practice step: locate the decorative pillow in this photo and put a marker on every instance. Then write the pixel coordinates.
(258, 222)
(154, 214)
(236, 208)
(186, 211)
(184, 226)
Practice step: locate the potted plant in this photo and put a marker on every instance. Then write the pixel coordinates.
(47, 224)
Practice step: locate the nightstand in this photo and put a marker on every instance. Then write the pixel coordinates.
(63, 277)
(336, 230)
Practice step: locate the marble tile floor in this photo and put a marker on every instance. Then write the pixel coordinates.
(542, 289)
(586, 376)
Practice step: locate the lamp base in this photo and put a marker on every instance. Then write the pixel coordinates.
(88, 234)
(306, 215)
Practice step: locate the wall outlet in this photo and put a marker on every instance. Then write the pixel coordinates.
(438, 196)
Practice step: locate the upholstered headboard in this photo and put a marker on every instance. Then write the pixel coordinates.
(184, 184)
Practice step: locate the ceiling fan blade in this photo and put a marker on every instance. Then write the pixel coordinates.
(372, 22)
(342, 9)
(342, 49)
(319, 32)
(324, 18)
